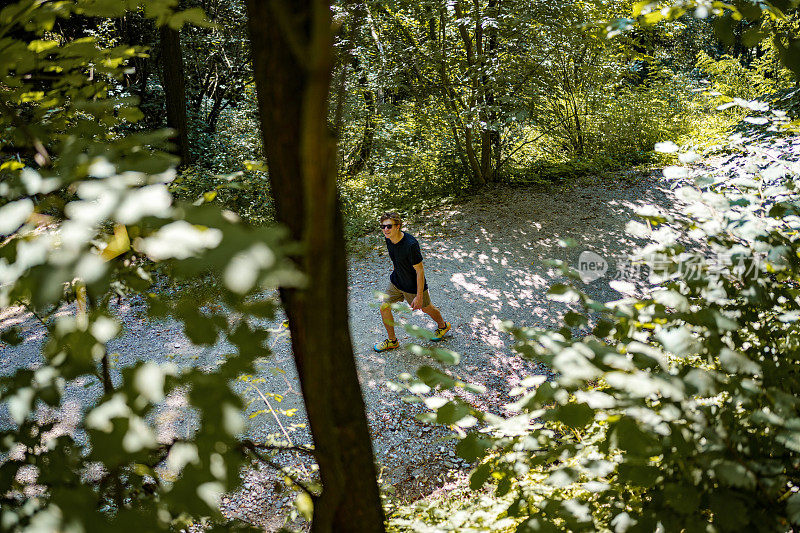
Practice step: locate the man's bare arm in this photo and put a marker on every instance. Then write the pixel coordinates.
(420, 285)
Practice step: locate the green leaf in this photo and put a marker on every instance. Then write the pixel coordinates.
(14, 214)
(730, 512)
(130, 114)
(448, 357)
(472, 447)
(574, 365)
(626, 435)
(305, 505)
(790, 439)
(261, 309)
(479, 476)
(563, 293)
(736, 362)
(790, 54)
(12, 336)
(793, 508)
(681, 497)
(41, 46)
(576, 415)
(735, 475)
(418, 332)
(503, 487)
(749, 10)
(194, 16)
(537, 525)
(672, 299)
(638, 475)
(723, 28)
(678, 340)
(200, 330)
(603, 328)
(639, 6)
(451, 412)
(752, 37)
(573, 319)
(434, 378)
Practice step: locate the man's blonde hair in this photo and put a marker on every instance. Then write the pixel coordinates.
(394, 217)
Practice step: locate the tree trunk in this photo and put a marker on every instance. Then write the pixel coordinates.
(174, 89)
(137, 31)
(459, 149)
(474, 165)
(291, 43)
(360, 154)
(452, 102)
(216, 109)
(490, 136)
(480, 89)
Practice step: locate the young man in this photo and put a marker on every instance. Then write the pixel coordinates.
(407, 281)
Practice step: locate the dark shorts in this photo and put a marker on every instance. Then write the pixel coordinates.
(393, 295)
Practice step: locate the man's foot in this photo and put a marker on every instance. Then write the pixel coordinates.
(440, 332)
(386, 345)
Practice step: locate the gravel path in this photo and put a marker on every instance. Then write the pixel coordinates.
(484, 261)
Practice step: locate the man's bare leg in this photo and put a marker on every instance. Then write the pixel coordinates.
(434, 313)
(388, 321)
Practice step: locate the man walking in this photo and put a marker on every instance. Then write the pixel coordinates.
(407, 281)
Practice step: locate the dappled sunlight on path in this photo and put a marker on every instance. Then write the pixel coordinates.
(486, 261)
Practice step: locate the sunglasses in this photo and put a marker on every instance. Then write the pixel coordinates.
(386, 226)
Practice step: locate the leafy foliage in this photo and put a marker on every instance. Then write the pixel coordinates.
(87, 214)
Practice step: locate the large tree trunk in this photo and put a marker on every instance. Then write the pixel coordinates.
(174, 89)
(291, 43)
(479, 176)
(481, 89)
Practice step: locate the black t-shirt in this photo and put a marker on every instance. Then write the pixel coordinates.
(405, 254)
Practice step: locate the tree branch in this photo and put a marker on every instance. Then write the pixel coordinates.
(254, 450)
(272, 447)
(518, 148)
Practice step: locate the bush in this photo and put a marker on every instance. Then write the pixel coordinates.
(246, 193)
(732, 78)
(409, 191)
(636, 118)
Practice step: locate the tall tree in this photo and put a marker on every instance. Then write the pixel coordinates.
(292, 46)
(174, 89)
(453, 54)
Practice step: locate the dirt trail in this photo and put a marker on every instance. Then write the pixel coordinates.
(485, 261)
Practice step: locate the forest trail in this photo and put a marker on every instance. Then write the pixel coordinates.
(485, 262)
